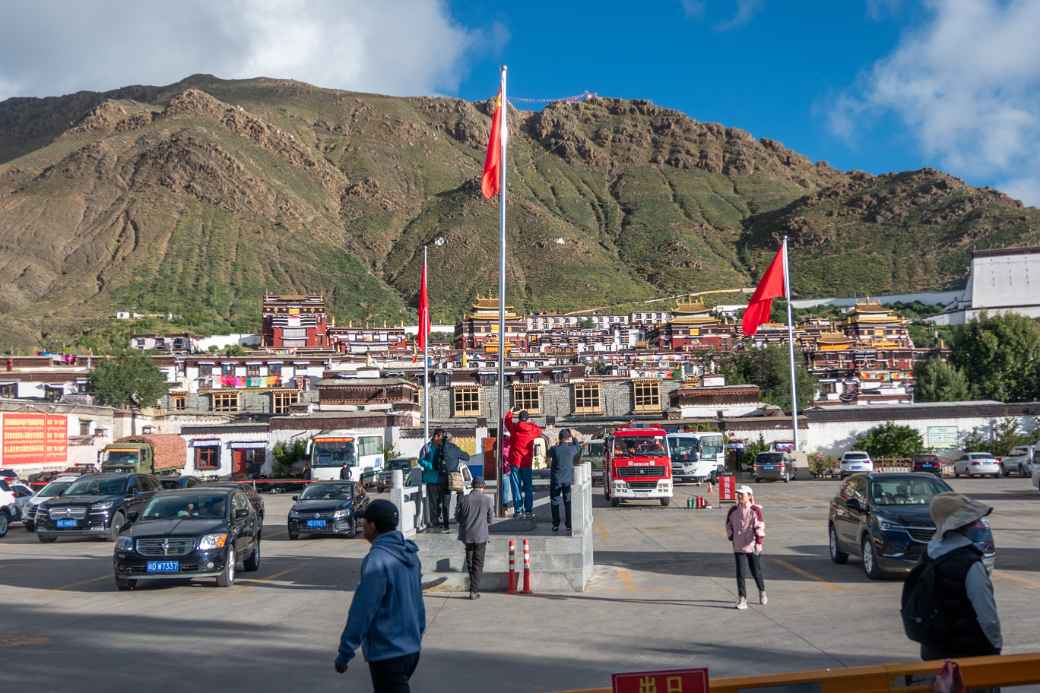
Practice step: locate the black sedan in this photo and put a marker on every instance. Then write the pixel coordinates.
(884, 519)
(327, 507)
(189, 534)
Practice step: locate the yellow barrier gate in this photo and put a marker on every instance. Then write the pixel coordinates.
(902, 677)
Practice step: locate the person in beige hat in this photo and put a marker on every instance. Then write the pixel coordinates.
(746, 528)
(969, 622)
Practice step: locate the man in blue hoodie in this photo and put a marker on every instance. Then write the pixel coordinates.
(387, 617)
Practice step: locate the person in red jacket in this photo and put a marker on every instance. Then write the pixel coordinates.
(521, 450)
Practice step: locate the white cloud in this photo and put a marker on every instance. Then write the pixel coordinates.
(746, 10)
(694, 9)
(52, 47)
(966, 86)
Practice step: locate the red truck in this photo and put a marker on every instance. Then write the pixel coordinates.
(637, 465)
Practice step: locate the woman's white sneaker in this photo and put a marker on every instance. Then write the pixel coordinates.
(742, 604)
(763, 599)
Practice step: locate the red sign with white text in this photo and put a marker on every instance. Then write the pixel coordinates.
(672, 681)
(34, 438)
(727, 489)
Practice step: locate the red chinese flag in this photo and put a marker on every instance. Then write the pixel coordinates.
(424, 312)
(489, 181)
(761, 303)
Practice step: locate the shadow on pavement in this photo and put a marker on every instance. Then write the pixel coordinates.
(172, 654)
(808, 568)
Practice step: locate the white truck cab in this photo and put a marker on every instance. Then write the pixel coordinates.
(335, 454)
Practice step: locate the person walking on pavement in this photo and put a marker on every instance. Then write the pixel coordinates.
(452, 459)
(522, 435)
(505, 484)
(475, 514)
(562, 458)
(387, 617)
(746, 528)
(429, 460)
(968, 622)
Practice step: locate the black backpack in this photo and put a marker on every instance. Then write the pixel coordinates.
(921, 605)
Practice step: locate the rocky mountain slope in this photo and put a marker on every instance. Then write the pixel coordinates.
(195, 197)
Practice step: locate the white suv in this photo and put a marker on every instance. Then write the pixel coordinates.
(853, 462)
(8, 507)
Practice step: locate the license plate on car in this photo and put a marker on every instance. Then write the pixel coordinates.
(65, 524)
(163, 566)
(316, 524)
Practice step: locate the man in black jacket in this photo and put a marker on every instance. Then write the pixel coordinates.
(452, 457)
(475, 514)
(562, 458)
(970, 625)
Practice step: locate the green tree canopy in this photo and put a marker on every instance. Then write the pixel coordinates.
(128, 379)
(890, 440)
(769, 369)
(936, 380)
(1000, 355)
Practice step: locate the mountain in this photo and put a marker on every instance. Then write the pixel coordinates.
(195, 197)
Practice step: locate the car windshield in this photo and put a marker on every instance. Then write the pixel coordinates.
(652, 446)
(594, 449)
(326, 492)
(905, 491)
(769, 458)
(334, 454)
(90, 486)
(120, 457)
(856, 456)
(55, 488)
(187, 506)
(980, 456)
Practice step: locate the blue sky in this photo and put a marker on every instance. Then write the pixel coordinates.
(877, 85)
(815, 75)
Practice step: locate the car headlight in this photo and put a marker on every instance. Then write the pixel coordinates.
(340, 514)
(103, 505)
(125, 544)
(887, 525)
(213, 541)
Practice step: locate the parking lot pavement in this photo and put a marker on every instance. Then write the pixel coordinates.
(662, 596)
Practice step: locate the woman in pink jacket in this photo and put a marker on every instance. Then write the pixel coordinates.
(746, 528)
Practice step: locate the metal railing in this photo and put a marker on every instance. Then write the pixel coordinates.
(904, 677)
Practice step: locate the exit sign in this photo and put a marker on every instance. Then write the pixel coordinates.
(670, 681)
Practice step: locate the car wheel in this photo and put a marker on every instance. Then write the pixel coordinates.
(46, 539)
(837, 555)
(118, 520)
(615, 502)
(293, 535)
(5, 524)
(870, 564)
(253, 562)
(666, 502)
(227, 577)
(124, 585)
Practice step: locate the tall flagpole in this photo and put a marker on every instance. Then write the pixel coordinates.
(425, 356)
(790, 348)
(504, 129)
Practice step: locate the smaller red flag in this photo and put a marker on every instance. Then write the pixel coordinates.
(771, 286)
(424, 311)
(491, 178)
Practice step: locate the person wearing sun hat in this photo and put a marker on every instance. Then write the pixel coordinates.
(971, 624)
(746, 528)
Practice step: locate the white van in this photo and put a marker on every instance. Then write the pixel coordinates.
(361, 455)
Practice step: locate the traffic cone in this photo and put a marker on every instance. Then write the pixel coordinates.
(527, 567)
(512, 565)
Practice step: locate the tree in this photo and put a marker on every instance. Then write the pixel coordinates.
(128, 379)
(1000, 355)
(890, 440)
(233, 350)
(936, 380)
(1006, 434)
(769, 369)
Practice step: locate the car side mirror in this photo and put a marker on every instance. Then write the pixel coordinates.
(240, 513)
(296, 498)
